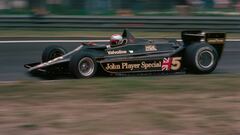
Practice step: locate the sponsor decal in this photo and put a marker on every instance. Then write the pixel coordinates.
(176, 63)
(113, 52)
(215, 40)
(150, 48)
(113, 66)
(166, 64)
(130, 51)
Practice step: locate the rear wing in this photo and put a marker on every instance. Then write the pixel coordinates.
(217, 40)
(190, 37)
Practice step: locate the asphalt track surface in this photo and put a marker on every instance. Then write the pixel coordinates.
(14, 55)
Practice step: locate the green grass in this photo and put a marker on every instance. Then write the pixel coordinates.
(174, 104)
(119, 87)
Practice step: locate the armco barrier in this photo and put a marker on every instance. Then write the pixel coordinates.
(172, 23)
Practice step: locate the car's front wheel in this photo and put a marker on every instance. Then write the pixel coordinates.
(52, 52)
(201, 58)
(83, 66)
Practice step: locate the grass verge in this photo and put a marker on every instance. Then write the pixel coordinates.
(181, 104)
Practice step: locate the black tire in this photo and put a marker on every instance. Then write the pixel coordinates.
(200, 58)
(52, 52)
(83, 66)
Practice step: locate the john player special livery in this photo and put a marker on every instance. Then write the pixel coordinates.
(197, 53)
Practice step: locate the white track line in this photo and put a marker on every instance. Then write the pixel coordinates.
(52, 41)
(233, 40)
(228, 40)
(77, 41)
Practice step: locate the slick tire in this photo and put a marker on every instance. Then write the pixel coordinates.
(200, 58)
(52, 52)
(83, 66)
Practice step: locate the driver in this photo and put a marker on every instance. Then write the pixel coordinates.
(116, 40)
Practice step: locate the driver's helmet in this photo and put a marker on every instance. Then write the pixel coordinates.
(116, 39)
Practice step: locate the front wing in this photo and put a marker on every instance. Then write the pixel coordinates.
(43, 67)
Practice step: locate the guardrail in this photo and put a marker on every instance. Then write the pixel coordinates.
(172, 23)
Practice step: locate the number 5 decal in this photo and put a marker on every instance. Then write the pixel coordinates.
(176, 63)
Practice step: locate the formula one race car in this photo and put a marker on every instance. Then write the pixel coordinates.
(197, 53)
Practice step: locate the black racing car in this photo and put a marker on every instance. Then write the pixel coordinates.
(197, 53)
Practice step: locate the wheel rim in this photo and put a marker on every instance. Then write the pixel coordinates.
(86, 66)
(56, 54)
(206, 59)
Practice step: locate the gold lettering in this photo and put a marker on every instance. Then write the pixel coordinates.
(149, 48)
(112, 66)
(216, 41)
(124, 65)
(130, 66)
(143, 65)
(155, 64)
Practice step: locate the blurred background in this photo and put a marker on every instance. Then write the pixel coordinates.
(121, 7)
(151, 15)
(155, 105)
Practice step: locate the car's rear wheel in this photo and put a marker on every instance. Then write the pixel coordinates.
(83, 66)
(52, 52)
(201, 58)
